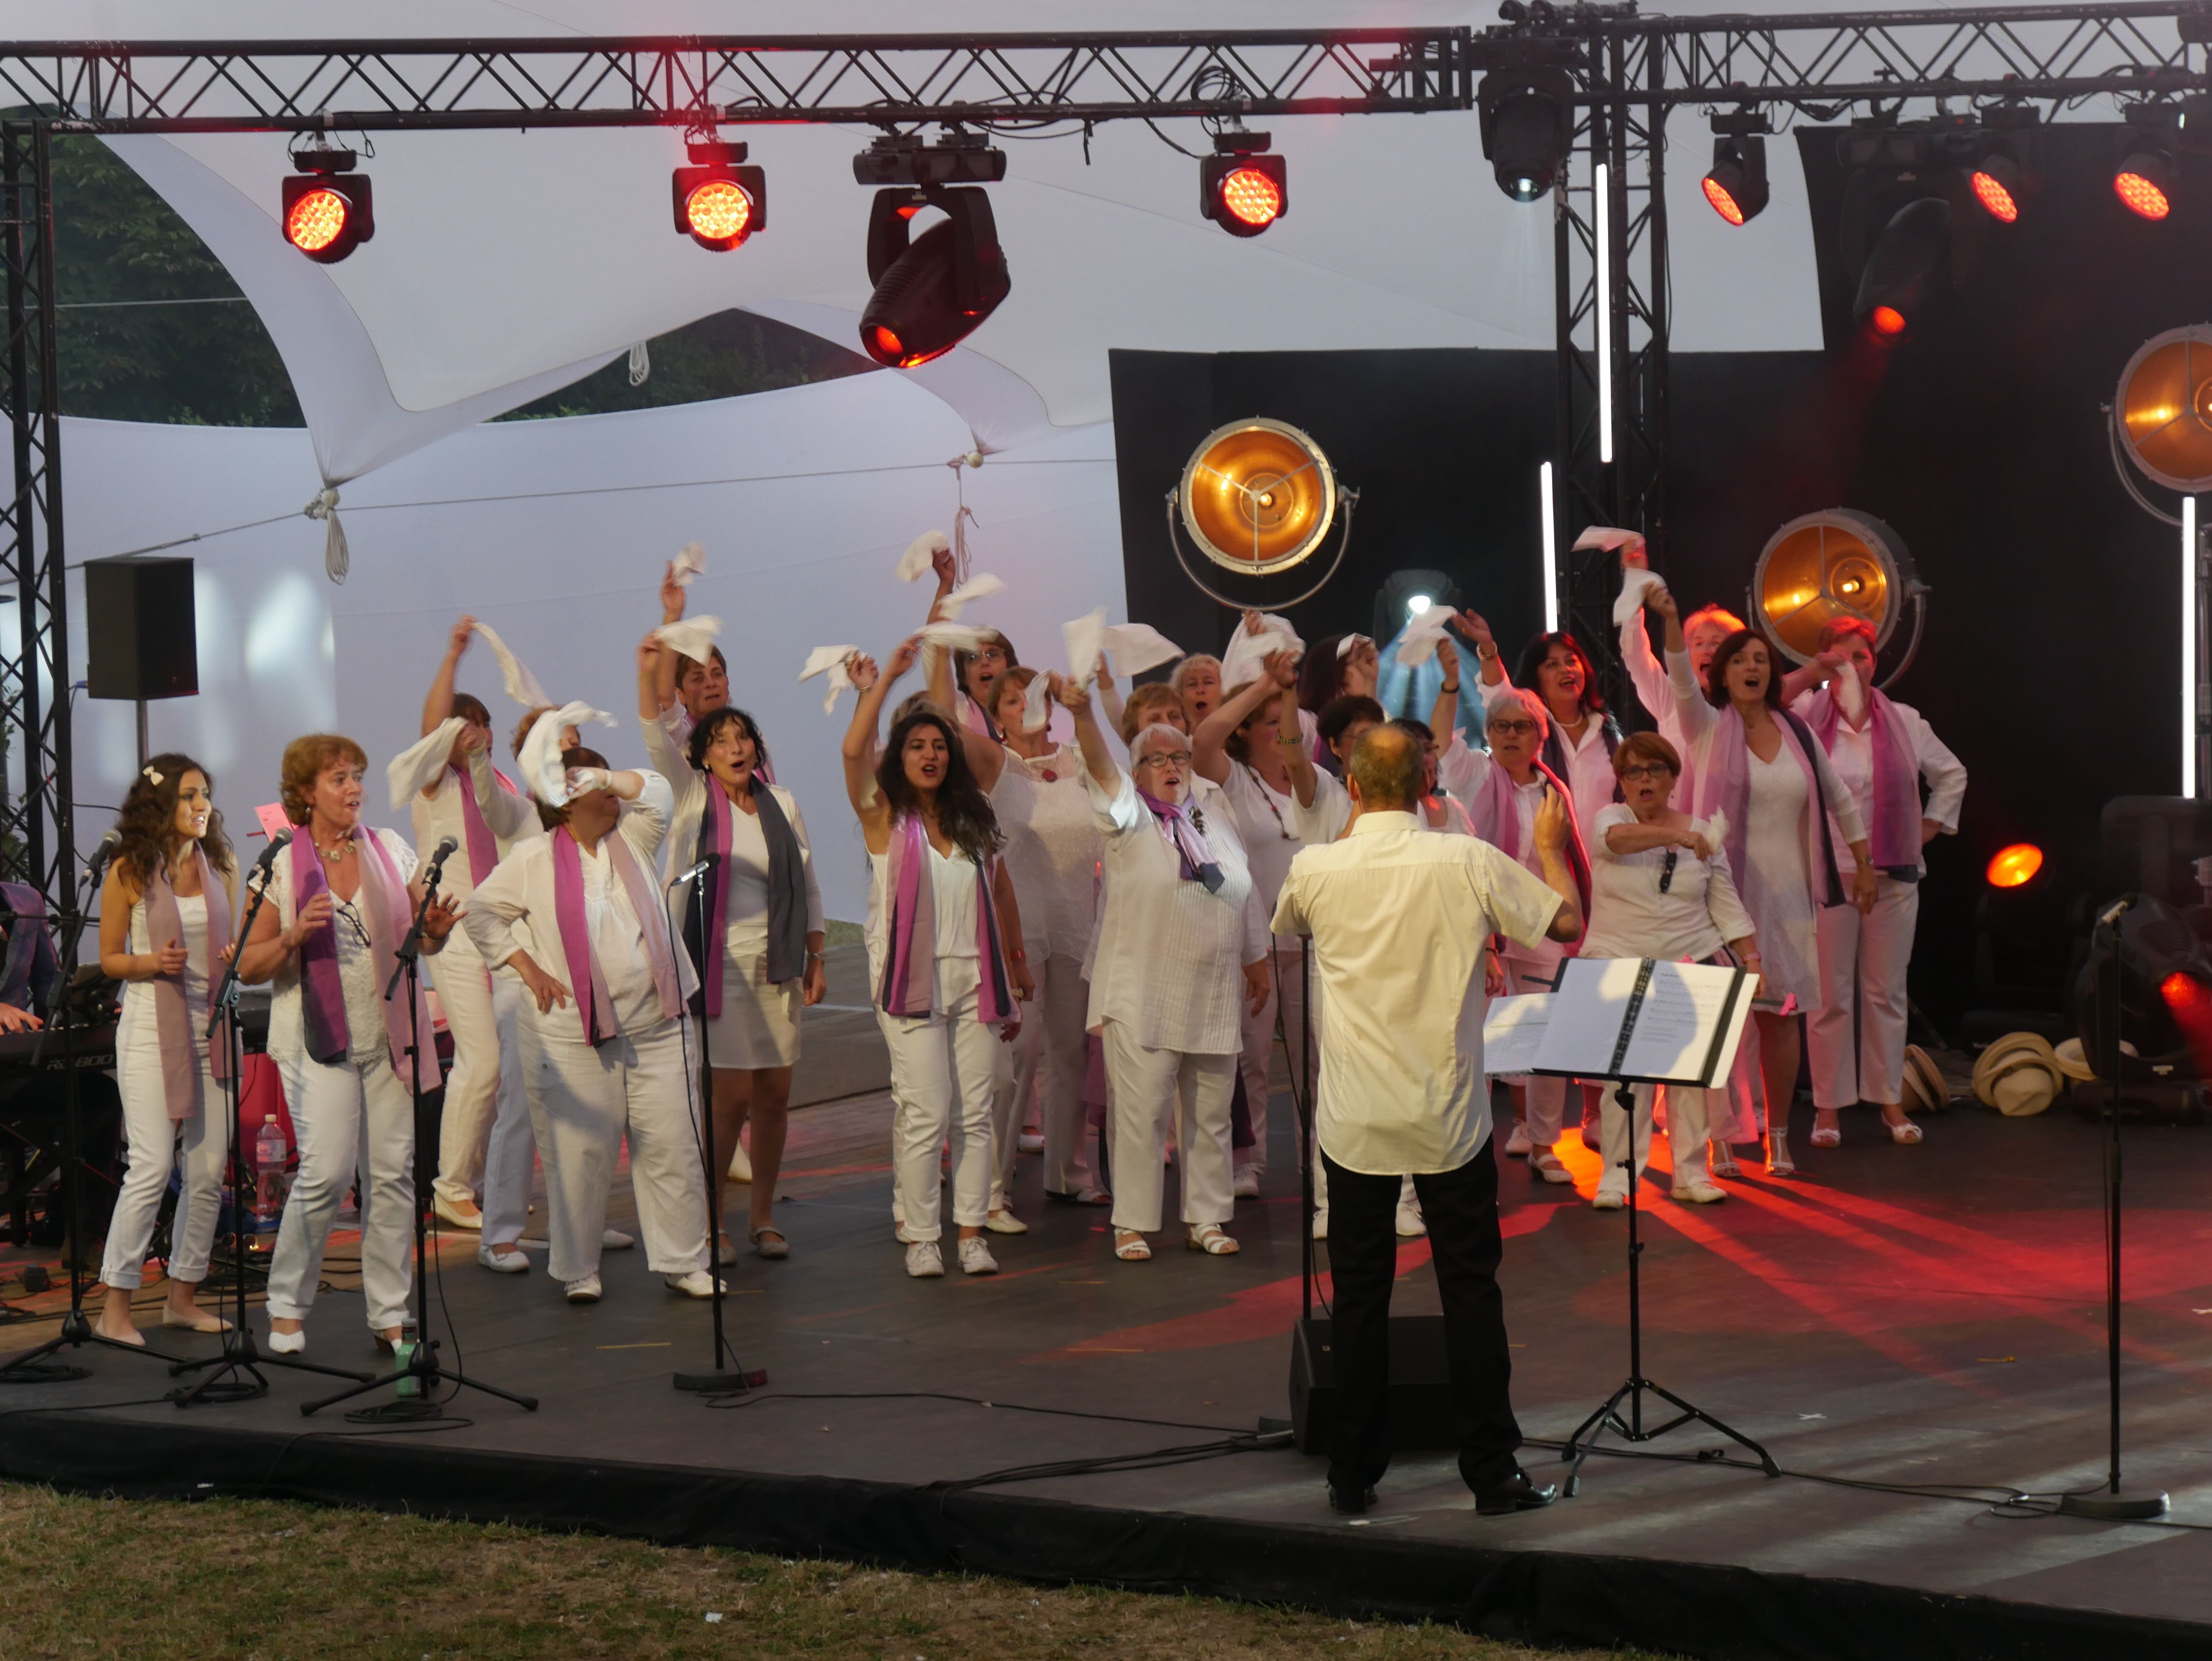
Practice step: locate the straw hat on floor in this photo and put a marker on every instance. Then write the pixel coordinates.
(1926, 1089)
(2019, 1074)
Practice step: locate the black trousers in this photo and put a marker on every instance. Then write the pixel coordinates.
(1461, 1208)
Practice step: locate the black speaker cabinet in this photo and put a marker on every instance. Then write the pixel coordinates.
(1421, 1417)
(140, 635)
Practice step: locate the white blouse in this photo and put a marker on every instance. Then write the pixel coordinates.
(1052, 851)
(747, 871)
(1698, 913)
(357, 972)
(511, 817)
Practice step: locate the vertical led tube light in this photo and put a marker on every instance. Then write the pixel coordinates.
(1601, 218)
(1550, 550)
(2189, 646)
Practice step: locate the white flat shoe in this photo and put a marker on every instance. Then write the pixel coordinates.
(615, 1240)
(1247, 1185)
(470, 1220)
(1699, 1192)
(1517, 1145)
(585, 1290)
(1546, 1164)
(1609, 1198)
(976, 1256)
(287, 1343)
(1410, 1226)
(1004, 1222)
(696, 1284)
(924, 1262)
(509, 1261)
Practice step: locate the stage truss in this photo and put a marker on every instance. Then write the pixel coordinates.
(1629, 73)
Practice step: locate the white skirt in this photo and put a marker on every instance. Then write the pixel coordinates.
(759, 1023)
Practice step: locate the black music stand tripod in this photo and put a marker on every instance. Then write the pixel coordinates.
(234, 1371)
(32, 1367)
(423, 1364)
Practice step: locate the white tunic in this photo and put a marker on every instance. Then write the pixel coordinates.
(510, 816)
(1590, 778)
(1852, 756)
(357, 974)
(1168, 953)
(1697, 914)
(952, 883)
(1776, 889)
(1052, 849)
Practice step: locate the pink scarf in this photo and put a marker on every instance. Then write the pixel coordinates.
(596, 1011)
(172, 1018)
(1179, 825)
(1894, 829)
(1496, 820)
(909, 982)
(1724, 787)
(383, 903)
(482, 845)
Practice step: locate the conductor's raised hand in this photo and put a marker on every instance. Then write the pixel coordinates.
(1553, 826)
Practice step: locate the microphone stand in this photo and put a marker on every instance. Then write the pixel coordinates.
(422, 1364)
(717, 1377)
(237, 1365)
(32, 1367)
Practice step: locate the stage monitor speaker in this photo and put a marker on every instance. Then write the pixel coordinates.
(140, 635)
(1421, 1416)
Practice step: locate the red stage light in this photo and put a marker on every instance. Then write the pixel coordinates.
(2013, 866)
(1888, 321)
(317, 220)
(2140, 191)
(1990, 190)
(2178, 989)
(1723, 204)
(1252, 196)
(1242, 188)
(718, 201)
(718, 213)
(327, 209)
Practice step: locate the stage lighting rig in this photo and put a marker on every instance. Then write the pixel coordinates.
(1241, 187)
(1837, 562)
(1906, 268)
(328, 209)
(1736, 186)
(2143, 178)
(1527, 127)
(931, 290)
(718, 202)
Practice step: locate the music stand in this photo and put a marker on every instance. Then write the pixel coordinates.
(32, 1367)
(236, 1374)
(1654, 1024)
(422, 1364)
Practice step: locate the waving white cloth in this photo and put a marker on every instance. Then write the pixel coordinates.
(1133, 647)
(1607, 537)
(692, 638)
(521, 685)
(542, 775)
(976, 587)
(954, 636)
(1344, 647)
(918, 554)
(1636, 587)
(1417, 640)
(422, 765)
(835, 662)
(690, 561)
(1246, 658)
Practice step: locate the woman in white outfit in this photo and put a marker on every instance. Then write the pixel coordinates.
(451, 789)
(1579, 736)
(760, 955)
(1660, 888)
(577, 914)
(1052, 854)
(341, 900)
(1762, 770)
(166, 913)
(1882, 751)
(1178, 923)
(945, 955)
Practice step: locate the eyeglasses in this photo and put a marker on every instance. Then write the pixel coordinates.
(1512, 728)
(1667, 872)
(1174, 758)
(1647, 771)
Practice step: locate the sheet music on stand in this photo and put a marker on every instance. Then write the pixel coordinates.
(1639, 1019)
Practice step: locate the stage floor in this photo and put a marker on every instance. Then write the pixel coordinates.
(1927, 1316)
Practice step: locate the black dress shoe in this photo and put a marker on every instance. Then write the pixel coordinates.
(1515, 1494)
(1349, 1502)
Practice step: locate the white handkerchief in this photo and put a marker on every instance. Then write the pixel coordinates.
(1607, 537)
(976, 587)
(1850, 692)
(919, 552)
(542, 775)
(1715, 831)
(1344, 647)
(690, 561)
(1417, 643)
(1243, 661)
(521, 685)
(1636, 587)
(1036, 703)
(1085, 638)
(1137, 647)
(694, 637)
(835, 662)
(421, 763)
(956, 636)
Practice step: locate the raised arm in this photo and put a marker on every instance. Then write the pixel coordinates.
(1443, 714)
(1109, 695)
(858, 748)
(439, 705)
(1209, 757)
(1471, 628)
(1097, 759)
(672, 597)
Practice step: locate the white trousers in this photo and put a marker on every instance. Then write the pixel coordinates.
(339, 1112)
(1544, 1099)
(1685, 1133)
(583, 1099)
(947, 1074)
(159, 1145)
(1048, 1058)
(1863, 965)
(473, 1087)
(511, 1152)
(1259, 1053)
(1146, 1089)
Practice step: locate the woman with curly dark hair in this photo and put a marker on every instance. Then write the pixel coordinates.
(945, 953)
(165, 913)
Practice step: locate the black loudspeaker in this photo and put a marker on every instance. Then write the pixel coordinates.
(140, 635)
(1421, 1416)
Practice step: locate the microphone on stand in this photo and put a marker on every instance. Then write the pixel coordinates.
(439, 855)
(2111, 915)
(277, 844)
(700, 869)
(105, 852)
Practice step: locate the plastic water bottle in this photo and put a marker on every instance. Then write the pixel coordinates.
(269, 1172)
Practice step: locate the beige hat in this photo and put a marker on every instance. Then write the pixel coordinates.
(1926, 1089)
(2026, 1089)
(2071, 1062)
(2033, 1044)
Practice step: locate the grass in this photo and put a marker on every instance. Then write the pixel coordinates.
(269, 1580)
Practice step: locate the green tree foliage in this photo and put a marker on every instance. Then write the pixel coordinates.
(723, 355)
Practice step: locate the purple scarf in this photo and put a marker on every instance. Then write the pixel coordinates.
(383, 903)
(597, 1012)
(909, 982)
(786, 892)
(1724, 787)
(1894, 829)
(482, 845)
(173, 1021)
(1496, 820)
(1181, 825)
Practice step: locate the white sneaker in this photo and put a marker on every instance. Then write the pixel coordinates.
(696, 1284)
(976, 1256)
(507, 1261)
(1698, 1191)
(287, 1343)
(741, 1165)
(1611, 1193)
(1320, 1223)
(924, 1262)
(615, 1240)
(1030, 1142)
(1410, 1224)
(585, 1290)
(1516, 1145)
(1003, 1222)
(1247, 1185)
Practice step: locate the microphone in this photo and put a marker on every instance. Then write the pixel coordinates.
(682, 876)
(439, 855)
(105, 852)
(2125, 903)
(277, 844)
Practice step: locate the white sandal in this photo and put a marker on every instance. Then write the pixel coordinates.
(1906, 1135)
(1209, 1238)
(1130, 1246)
